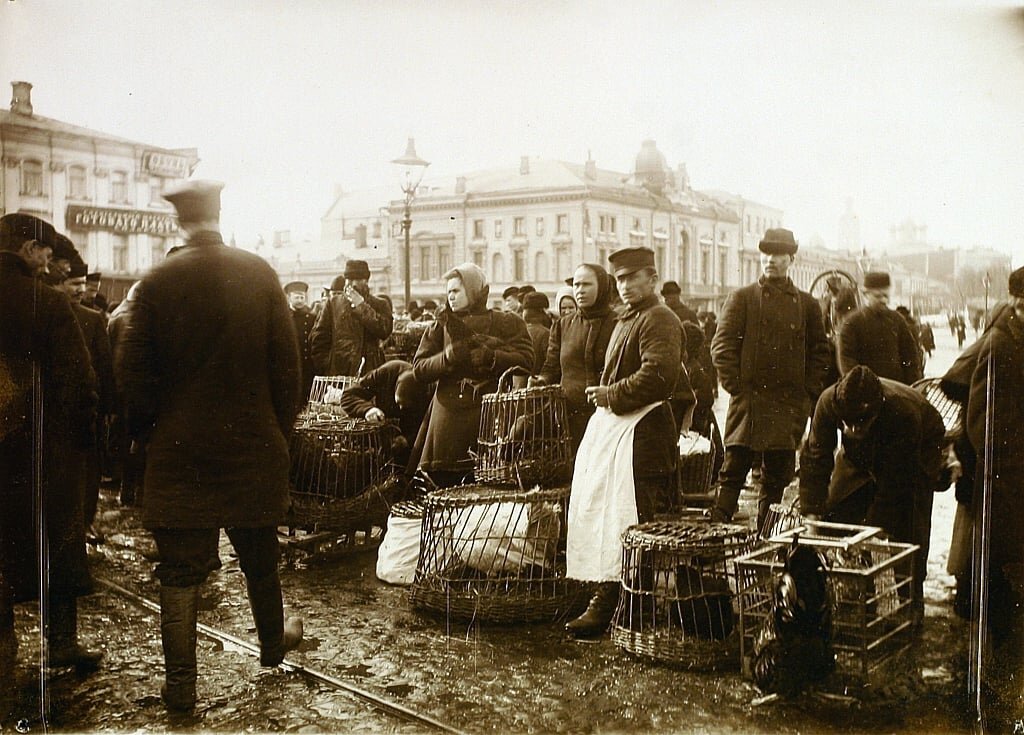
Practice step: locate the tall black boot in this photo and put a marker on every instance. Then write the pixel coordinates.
(62, 646)
(178, 634)
(277, 635)
(595, 620)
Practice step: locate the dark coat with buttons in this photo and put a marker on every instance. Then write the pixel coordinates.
(40, 337)
(771, 355)
(345, 336)
(575, 359)
(454, 421)
(881, 340)
(304, 319)
(209, 370)
(642, 366)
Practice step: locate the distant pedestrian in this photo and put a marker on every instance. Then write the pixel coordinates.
(538, 324)
(772, 357)
(47, 410)
(878, 337)
(211, 387)
(303, 320)
(347, 336)
(927, 338)
(565, 301)
(670, 291)
(961, 332)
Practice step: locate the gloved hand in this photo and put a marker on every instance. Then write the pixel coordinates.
(482, 357)
(456, 353)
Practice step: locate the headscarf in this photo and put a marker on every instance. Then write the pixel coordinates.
(562, 293)
(602, 304)
(475, 283)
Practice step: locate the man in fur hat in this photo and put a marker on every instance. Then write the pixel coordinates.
(878, 337)
(347, 336)
(772, 356)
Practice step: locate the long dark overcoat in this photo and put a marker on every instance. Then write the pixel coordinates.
(642, 366)
(1004, 345)
(454, 422)
(575, 359)
(210, 373)
(52, 415)
(772, 356)
(881, 340)
(345, 335)
(303, 320)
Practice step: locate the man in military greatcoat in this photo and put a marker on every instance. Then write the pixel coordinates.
(772, 356)
(211, 388)
(878, 337)
(303, 319)
(348, 334)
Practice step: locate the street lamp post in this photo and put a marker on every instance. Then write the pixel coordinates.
(411, 169)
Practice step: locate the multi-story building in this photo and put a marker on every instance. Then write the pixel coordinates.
(103, 191)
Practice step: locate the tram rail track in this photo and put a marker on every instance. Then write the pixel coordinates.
(373, 700)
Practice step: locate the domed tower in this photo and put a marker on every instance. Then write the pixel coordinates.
(651, 171)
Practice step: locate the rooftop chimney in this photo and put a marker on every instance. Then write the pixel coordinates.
(524, 165)
(460, 185)
(21, 100)
(590, 168)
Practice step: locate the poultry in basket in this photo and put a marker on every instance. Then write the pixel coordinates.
(793, 649)
(704, 607)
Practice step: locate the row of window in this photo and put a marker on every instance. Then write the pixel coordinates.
(120, 260)
(32, 184)
(519, 227)
(758, 224)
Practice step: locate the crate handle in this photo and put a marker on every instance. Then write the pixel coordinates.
(502, 388)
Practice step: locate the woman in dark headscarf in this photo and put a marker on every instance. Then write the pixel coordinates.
(577, 345)
(466, 350)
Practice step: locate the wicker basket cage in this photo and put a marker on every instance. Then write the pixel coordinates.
(324, 394)
(678, 583)
(335, 467)
(870, 581)
(495, 554)
(524, 437)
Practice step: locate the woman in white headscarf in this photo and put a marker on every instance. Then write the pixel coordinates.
(466, 350)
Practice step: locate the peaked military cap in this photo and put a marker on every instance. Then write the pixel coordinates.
(196, 201)
(296, 287)
(630, 260)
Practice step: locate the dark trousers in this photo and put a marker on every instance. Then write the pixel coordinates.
(188, 555)
(654, 494)
(779, 468)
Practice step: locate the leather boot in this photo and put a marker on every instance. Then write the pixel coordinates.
(594, 621)
(277, 635)
(62, 645)
(178, 634)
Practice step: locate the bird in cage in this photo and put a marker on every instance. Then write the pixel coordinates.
(704, 608)
(793, 649)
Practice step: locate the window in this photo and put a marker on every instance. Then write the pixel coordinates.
(602, 223)
(519, 265)
(424, 263)
(748, 223)
(478, 228)
(120, 249)
(540, 267)
(705, 264)
(498, 229)
(519, 226)
(396, 229)
(611, 225)
(478, 258)
(638, 225)
(376, 230)
(76, 182)
(497, 267)
(723, 266)
(563, 224)
(540, 227)
(118, 186)
(444, 259)
(156, 189)
(32, 178)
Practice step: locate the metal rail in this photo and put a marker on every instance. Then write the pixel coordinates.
(370, 698)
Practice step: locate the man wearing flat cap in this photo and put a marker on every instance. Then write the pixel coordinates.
(303, 320)
(510, 300)
(771, 355)
(350, 330)
(626, 461)
(890, 464)
(211, 391)
(47, 406)
(878, 337)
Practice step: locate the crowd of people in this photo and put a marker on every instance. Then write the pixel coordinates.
(203, 369)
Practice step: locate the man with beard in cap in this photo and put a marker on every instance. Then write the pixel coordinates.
(772, 356)
(878, 337)
(47, 406)
(347, 337)
(626, 463)
(303, 320)
(211, 389)
(891, 462)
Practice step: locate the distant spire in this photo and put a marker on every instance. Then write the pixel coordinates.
(233, 243)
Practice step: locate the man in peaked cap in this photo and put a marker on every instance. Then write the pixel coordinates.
(772, 356)
(632, 421)
(214, 422)
(878, 337)
(303, 320)
(349, 332)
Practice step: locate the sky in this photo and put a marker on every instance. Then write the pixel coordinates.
(908, 110)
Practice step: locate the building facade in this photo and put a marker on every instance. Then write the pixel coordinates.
(102, 191)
